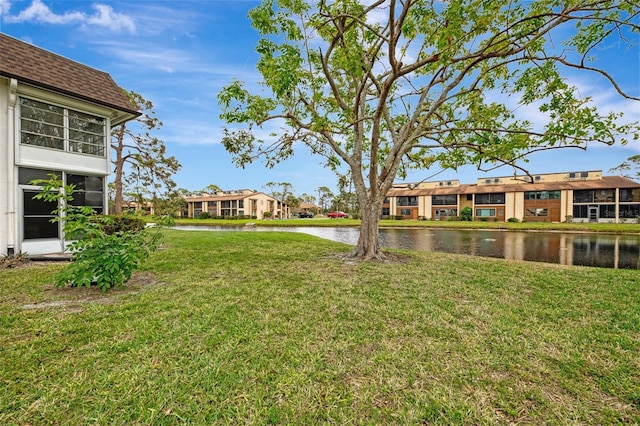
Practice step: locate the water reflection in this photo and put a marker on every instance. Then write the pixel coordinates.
(605, 251)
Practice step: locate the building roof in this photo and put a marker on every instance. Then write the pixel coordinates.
(606, 182)
(225, 197)
(37, 67)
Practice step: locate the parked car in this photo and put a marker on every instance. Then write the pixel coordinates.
(303, 215)
(337, 215)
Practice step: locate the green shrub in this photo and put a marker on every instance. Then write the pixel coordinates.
(398, 217)
(466, 214)
(203, 215)
(106, 250)
(114, 224)
(513, 219)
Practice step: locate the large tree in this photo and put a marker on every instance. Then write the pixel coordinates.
(390, 85)
(283, 192)
(140, 159)
(629, 168)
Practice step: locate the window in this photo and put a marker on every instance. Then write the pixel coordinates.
(584, 196)
(485, 212)
(469, 197)
(88, 191)
(542, 195)
(407, 201)
(37, 214)
(55, 127)
(405, 212)
(608, 211)
(537, 213)
(581, 211)
(444, 200)
(629, 195)
(630, 211)
(495, 198)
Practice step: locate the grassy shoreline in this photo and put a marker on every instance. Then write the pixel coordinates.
(281, 328)
(607, 228)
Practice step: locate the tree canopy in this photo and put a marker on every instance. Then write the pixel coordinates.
(140, 161)
(629, 168)
(390, 85)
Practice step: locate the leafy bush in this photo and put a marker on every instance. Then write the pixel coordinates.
(266, 215)
(203, 215)
(107, 249)
(513, 219)
(466, 214)
(114, 224)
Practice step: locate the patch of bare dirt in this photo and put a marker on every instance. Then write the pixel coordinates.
(75, 299)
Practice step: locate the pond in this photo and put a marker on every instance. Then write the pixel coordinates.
(605, 251)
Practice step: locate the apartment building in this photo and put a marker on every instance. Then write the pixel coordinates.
(583, 196)
(237, 203)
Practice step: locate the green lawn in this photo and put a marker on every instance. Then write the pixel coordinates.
(281, 328)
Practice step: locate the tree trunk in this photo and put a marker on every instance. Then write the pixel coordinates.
(118, 163)
(368, 246)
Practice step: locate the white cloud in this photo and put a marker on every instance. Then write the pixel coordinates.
(39, 12)
(106, 17)
(5, 5)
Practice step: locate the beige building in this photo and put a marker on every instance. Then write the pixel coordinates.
(237, 203)
(585, 196)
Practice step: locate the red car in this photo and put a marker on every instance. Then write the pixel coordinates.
(337, 215)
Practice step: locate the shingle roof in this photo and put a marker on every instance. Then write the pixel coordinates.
(226, 197)
(37, 67)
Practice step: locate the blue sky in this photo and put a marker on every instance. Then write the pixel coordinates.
(179, 54)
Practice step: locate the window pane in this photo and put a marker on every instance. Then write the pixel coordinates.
(40, 140)
(93, 183)
(37, 207)
(586, 196)
(93, 198)
(76, 180)
(37, 217)
(41, 111)
(485, 212)
(39, 227)
(25, 176)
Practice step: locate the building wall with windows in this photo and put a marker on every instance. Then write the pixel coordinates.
(585, 196)
(50, 126)
(236, 203)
